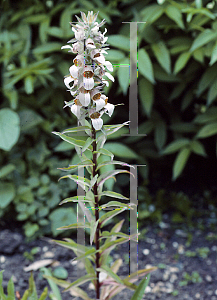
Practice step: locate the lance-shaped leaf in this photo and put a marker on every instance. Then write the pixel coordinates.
(76, 199)
(93, 227)
(113, 162)
(88, 142)
(83, 158)
(86, 254)
(109, 215)
(80, 281)
(139, 293)
(128, 281)
(114, 243)
(75, 225)
(104, 152)
(52, 284)
(93, 181)
(105, 176)
(75, 291)
(105, 288)
(113, 195)
(76, 129)
(85, 163)
(78, 143)
(108, 271)
(84, 183)
(76, 248)
(106, 234)
(116, 203)
(109, 129)
(90, 269)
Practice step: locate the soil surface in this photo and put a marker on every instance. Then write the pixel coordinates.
(186, 261)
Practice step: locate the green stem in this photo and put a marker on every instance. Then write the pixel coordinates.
(96, 213)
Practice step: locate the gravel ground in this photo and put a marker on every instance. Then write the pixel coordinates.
(176, 252)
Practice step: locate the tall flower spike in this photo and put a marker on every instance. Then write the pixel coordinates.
(88, 70)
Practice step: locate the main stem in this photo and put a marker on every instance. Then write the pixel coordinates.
(96, 213)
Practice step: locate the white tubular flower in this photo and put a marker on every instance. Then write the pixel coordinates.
(90, 44)
(76, 108)
(97, 56)
(84, 96)
(79, 61)
(74, 71)
(78, 47)
(96, 120)
(67, 81)
(79, 33)
(89, 72)
(98, 99)
(88, 80)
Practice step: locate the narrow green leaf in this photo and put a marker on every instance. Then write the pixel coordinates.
(29, 84)
(115, 55)
(175, 14)
(113, 162)
(52, 284)
(104, 152)
(10, 289)
(139, 293)
(93, 181)
(146, 94)
(105, 176)
(75, 225)
(80, 281)
(160, 134)
(210, 115)
(206, 80)
(212, 93)
(76, 199)
(198, 148)
(123, 74)
(44, 294)
(145, 65)
(207, 130)
(181, 61)
(88, 142)
(113, 194)
(116, 203)
(203, 38)
(47, 48)
(93, 227)
(84, 183)
(76, 129)
(108, 271)
(151, 13)
(115, 243)
(180, 162)
(213, 55)
(110, 129)
(86, 254)
(78, 143)
(162, 54)
(79, 165)
(109, 215)
(175, 146)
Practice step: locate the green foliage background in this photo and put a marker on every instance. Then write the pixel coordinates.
(177, 85)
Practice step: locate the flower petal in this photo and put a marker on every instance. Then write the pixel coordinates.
(97, 123)
(76, 110)
(109, 108)
(88, 83)
(84, 98)
(100, 103)
(109, 76)
(67, 80)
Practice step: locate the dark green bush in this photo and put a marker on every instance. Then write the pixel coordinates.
(177, 85)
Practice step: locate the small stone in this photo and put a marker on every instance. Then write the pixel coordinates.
(213, 298)
(181, 249)
(175, 245)
(2, 259)
(209, 293)
(150, 241)
(148, 289)
(173, 278)
(181, 233)
(166, 275)
(214, 248)
(73, 262)
(216, 292)
(9, 241)
(146, 251)
(208, 278)
(48, 254)
(174, 270)
(116, 256)
(209, 262)
(197, 295)
(45, 248)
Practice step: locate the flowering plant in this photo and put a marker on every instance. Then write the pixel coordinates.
(85, 83)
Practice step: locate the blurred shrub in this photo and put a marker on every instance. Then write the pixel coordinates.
(177, 82)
